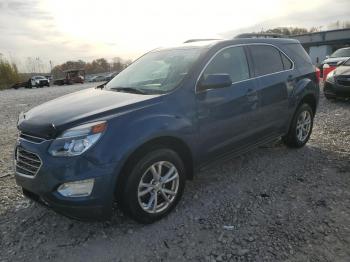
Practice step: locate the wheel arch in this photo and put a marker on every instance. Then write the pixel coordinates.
(311, 100)
(174, 143)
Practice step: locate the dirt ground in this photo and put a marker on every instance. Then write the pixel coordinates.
(272, 204)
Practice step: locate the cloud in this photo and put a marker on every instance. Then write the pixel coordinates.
(79, 29)
(321, 16)
(26, 9)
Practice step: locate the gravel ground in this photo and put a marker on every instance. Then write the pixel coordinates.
(272, 204)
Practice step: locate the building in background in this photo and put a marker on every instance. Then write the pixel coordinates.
(322, 44)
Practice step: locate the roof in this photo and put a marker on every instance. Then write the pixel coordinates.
(260, 35)
(208, 43)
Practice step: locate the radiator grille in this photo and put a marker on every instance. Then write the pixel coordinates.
(27, 163)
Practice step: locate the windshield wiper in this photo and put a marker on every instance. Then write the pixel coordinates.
(128, 90)
(101, 86)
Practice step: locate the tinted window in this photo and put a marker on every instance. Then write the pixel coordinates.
(267, 59)
(297, 53)
(230, 61)
(287, 64)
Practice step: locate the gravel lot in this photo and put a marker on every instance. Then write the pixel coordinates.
(272, 204)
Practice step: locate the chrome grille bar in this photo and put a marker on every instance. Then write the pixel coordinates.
(27, 163)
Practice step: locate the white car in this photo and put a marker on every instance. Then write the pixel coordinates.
(38, 81)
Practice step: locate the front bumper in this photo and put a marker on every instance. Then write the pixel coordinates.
(333, 89)
(42, 83)
(54, 171)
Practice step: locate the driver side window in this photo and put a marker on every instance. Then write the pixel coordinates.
(230, 61)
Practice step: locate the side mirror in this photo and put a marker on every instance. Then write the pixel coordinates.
(327, 56)
(214, 81)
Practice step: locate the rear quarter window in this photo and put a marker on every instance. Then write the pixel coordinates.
(287, 64)
(267, 59)
(298, 54)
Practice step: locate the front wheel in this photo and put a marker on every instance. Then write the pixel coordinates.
(154, 186)
(301, 127)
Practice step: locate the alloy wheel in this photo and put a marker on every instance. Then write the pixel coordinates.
(303, 125)
(158, 187)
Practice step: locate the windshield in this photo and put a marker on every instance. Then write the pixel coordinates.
(347, 63)
(156, 72)
(344, 52)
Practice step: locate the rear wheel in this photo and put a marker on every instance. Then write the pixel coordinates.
(153, 186)
(328, 97)
(301, 127)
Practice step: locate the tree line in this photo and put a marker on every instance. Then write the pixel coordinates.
(100, 65)
(290, 31)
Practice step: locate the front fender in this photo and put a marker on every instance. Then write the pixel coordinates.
(155, 126)
(127, 132)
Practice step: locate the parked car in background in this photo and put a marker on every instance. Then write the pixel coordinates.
(99, 78)
(330, 63)
(34, 81)
(110, 76)
(338, 82)
(136, 139)
(38, 81)
(72, 76)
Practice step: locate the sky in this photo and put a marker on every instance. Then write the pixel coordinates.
(61, 30)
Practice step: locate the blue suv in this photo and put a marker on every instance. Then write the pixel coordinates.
(138, 138)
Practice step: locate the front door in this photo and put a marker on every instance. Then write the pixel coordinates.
(226, 116)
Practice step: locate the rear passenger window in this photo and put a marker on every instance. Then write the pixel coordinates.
(230, 61)
(287, 64)
(267, 59)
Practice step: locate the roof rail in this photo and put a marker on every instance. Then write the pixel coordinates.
(259, 35)
(199, 39)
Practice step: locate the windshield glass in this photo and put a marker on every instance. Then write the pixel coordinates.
(156, 72)
(347, 63)
(341, 53)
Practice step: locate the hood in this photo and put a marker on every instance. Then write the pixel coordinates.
(50, 118)
(334, 60)
(342, 70)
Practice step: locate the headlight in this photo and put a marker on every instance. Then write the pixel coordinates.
(77, 140)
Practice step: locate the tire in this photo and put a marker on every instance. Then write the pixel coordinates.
(299, 133)
(328, 97)
(138, 202)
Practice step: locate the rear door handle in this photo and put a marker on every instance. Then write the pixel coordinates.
(252, 95)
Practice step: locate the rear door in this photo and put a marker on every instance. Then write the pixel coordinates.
(275, 75)
(227, 115)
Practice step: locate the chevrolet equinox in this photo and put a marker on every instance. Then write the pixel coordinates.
(138, 138)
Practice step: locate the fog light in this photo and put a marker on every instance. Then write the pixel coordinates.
(79, 188)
